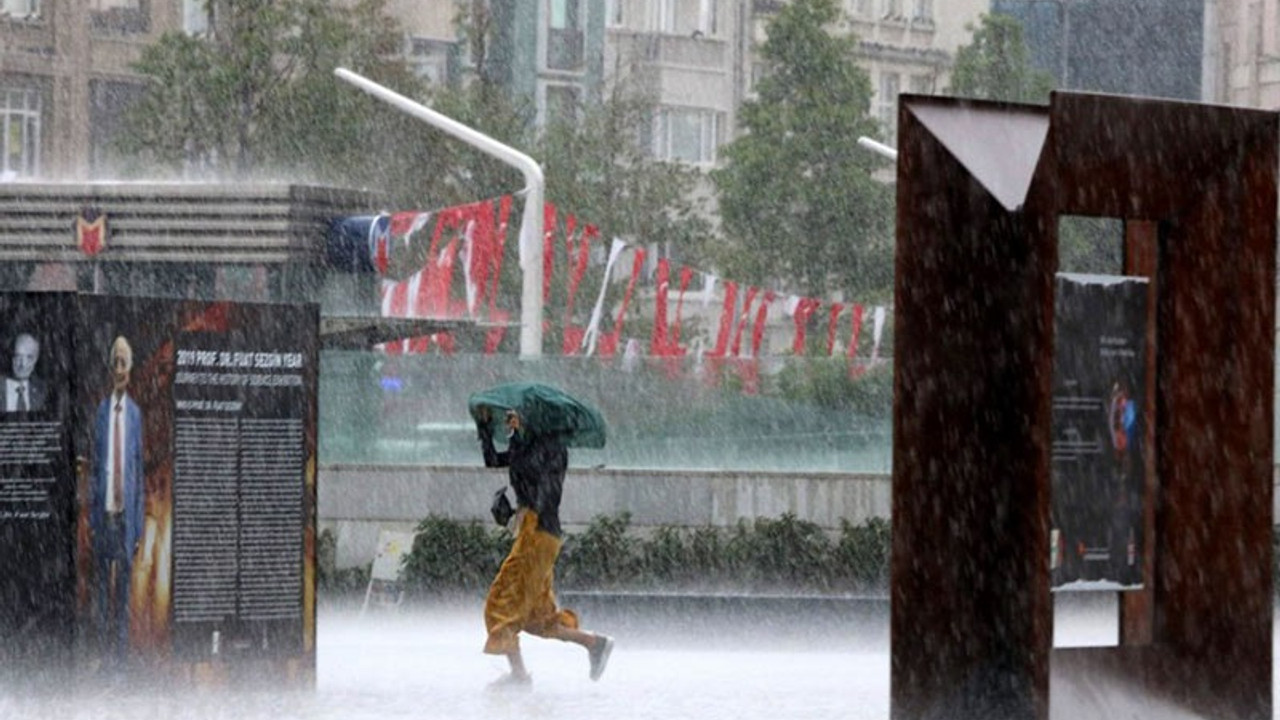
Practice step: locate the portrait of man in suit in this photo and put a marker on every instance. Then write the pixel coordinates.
(22, 391)
(116, 506)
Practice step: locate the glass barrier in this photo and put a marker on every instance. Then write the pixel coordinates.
(791, 414)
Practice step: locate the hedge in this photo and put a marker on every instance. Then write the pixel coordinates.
(785, 554)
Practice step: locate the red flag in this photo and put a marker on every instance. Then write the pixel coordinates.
(609, 342)
(804, 310)
(499, 249)
(832, 319)
(482, 255)
(91, 231)
(548, 248)
(686, 274)
(658, 343)
(573, 334)
(855, 369)
(749, 368)
(493, 337)
(726, 319)
(743, 319)
(762, 315)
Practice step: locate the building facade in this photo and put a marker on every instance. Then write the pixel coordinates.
(65, 77)
(1242, 53)
(696, 58)
(1133, 47)
(909, 46)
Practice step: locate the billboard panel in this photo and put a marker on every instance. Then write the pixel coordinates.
(1098, 426)
(157, 488)
(37, 486)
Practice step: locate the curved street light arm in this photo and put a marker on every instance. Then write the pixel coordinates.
(531, 223)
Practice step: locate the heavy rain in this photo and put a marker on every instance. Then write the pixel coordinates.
(895, 358)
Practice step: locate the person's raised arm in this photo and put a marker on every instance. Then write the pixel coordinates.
(492, 458)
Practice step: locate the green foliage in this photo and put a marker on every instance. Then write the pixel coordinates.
(785, 554)
(796, 194)
(257, 97)
(449, 556)
(597, 168)
(1090, 245)
(602, 555)
(996, 64)
(863, 551)
(827, 383)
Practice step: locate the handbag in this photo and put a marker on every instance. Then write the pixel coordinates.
(501, 507)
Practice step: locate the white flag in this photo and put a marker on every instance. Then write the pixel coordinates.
(877, 333)
(593, 326)
(708, 289)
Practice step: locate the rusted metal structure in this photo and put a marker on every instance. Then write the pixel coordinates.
(981, 187)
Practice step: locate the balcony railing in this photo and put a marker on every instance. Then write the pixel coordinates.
(701, 52)
(120, 21)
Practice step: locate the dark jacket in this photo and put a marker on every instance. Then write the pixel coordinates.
(537, 465)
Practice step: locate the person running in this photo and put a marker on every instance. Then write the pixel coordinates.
(521, 597)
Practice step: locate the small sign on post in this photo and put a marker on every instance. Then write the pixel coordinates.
(385, 588)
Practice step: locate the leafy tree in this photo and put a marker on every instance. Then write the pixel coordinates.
(996, 65)
(256, 98)
(597, 168)
(478, 96)
(797, 197)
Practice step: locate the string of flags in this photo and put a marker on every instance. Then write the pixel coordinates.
(458, 276)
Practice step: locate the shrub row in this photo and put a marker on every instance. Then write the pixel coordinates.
(452, 557)
(765, 555)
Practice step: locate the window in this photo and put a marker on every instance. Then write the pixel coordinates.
(565, 14)
(891, 8)
(20, 8)
(429, 59)
(118, 16)
(861, 8)
(560, 103)
(758, 73)
(613, 13)
(887, 103)
(923, 11)
(662, 15)
(564, 35)
(921, 84)
(686, 135)
(708, 19)
(109, 103)
(195, 17)
(20, 123)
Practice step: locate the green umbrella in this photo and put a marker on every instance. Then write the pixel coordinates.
(544, 410)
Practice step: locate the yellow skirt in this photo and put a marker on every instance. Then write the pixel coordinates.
(521, 597)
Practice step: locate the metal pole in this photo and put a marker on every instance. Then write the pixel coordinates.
(1065, 18)
(530, 224)
(878, 147)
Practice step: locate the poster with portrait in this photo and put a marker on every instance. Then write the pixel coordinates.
(195, 433)
(37, 484)
(1098, 426)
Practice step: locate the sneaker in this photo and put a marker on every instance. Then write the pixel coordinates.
(511, 681)
(599, 654)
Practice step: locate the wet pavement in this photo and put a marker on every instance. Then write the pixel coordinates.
(797, 658)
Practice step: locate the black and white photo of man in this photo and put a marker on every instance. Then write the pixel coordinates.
(22, 391)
